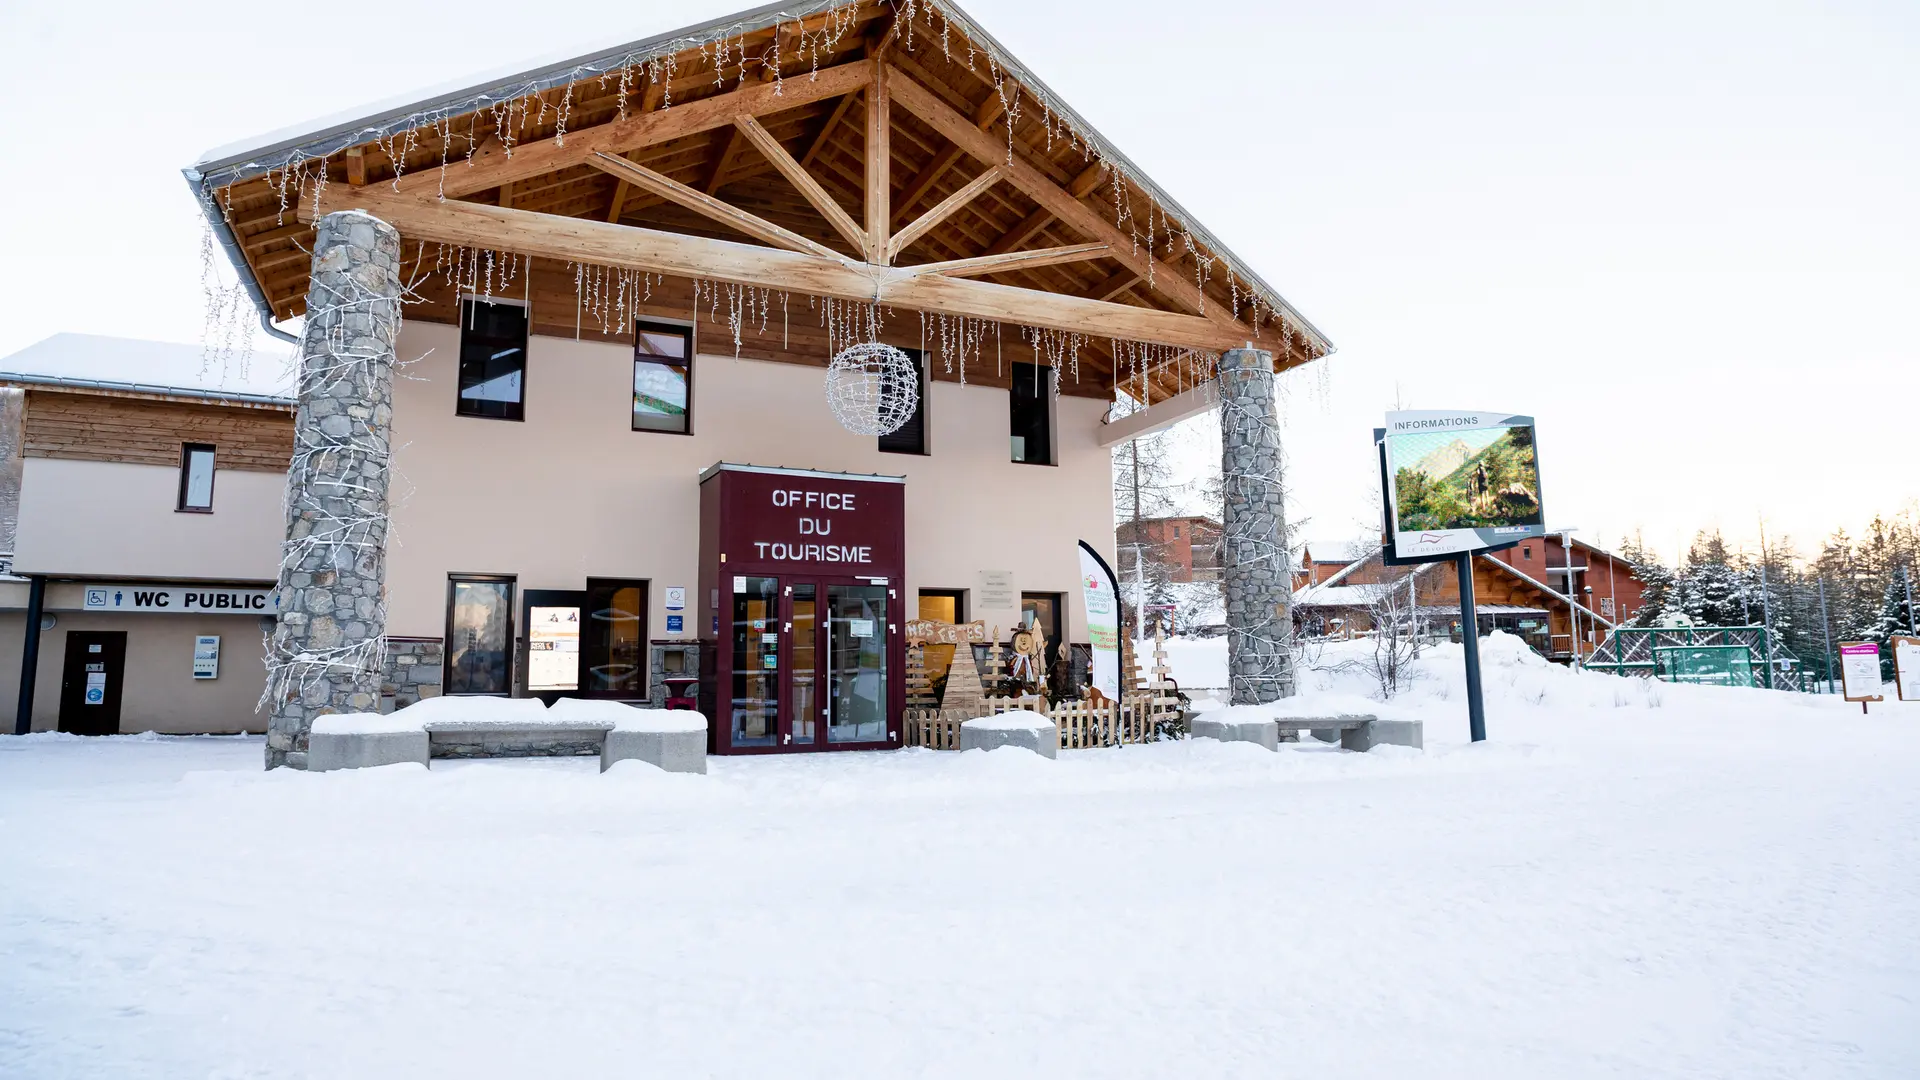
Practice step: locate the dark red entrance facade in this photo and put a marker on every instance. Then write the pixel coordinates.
(801, 609)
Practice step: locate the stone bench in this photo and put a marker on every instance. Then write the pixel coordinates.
(1357, 732)
(1028, 730)
(463, 728)
(363, 745)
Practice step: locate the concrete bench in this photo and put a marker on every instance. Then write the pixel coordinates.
(362, 746)
(674, 741)
(1356, 732)
(1028, 730)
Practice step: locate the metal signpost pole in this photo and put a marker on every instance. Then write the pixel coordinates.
(1573, 613)
(1470, 637)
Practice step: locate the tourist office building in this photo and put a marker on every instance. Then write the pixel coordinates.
(691, 370)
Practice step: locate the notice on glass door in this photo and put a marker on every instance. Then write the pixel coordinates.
(860, 627)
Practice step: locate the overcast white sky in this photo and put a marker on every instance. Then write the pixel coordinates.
(1685, 236)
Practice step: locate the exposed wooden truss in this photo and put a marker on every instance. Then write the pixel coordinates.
(763, 169)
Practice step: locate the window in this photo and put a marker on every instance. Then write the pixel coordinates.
(196, 478)
(1176, 532)
(662, 377)
(1031, 414)
(479, 646)
(1043, 608)
(912, 436)
(947, 606)
(1526, 553)
(493, 360)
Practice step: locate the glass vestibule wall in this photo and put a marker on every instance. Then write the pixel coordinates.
(809, 665)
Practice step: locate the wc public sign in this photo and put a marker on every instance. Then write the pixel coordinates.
(177, 600)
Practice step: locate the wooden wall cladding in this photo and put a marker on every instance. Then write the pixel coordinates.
(87, 427)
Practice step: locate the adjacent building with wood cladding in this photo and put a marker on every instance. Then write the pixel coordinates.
(1521, 590)
(147, 504)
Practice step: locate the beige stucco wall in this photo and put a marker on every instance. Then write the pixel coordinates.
(573, 492)
(106, 518)
(161, 693)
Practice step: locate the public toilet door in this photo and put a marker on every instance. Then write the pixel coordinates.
(837, 677)
(91, 681)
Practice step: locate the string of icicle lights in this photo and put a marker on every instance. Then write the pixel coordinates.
(804, 34)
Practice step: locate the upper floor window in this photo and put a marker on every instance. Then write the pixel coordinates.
(1031, 415)
(911, 438)
(196, 478)
(493, 359)
(662, 377)
(1176, 532)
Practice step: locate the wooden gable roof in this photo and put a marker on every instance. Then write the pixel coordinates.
(989, 201)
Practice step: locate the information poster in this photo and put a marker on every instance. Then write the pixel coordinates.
(1860, 671)
(1906, 667)
(1460, 480)
(206, 656)
(553, 649)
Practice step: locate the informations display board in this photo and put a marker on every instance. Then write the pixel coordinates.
(1906, 667)
(1457, 481)
(1860, 671)
(553, 649)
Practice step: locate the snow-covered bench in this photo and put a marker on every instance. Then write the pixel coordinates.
(510, 727)
(1263, 724)
(1020, 728)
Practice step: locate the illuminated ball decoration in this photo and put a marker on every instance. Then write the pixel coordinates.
(873, 388)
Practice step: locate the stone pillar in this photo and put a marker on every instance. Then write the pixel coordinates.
(327, 653)
(1254, 561)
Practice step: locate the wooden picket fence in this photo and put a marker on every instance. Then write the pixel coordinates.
(1082, 724)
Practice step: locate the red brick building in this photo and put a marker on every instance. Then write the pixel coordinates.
(1189, 546)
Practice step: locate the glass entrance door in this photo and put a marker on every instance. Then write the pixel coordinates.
(856, 663)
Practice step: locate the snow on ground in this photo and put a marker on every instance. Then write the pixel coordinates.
(1628, 880)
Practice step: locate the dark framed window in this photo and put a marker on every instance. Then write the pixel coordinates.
(493, 360)
(662, 377)
(1030, 409)
(613, 640)
(1043, 608)
(196, 478)
(479, 647)
(912, 436)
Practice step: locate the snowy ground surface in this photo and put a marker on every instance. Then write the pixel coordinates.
(1629, 880)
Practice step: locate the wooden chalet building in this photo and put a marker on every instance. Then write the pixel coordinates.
(626, 276)
(1520, 590)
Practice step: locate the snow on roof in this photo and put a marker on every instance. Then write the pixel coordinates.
(152, 367)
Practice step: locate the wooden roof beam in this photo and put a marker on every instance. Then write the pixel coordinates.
(492, 165)
(1021, 260)
(1051, 197)
(879, 166)
(583, 240)
(701, 203)
(797, 175)
(946, 208)
(983, 118)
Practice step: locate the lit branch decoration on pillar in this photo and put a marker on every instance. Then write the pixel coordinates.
(328, 646)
